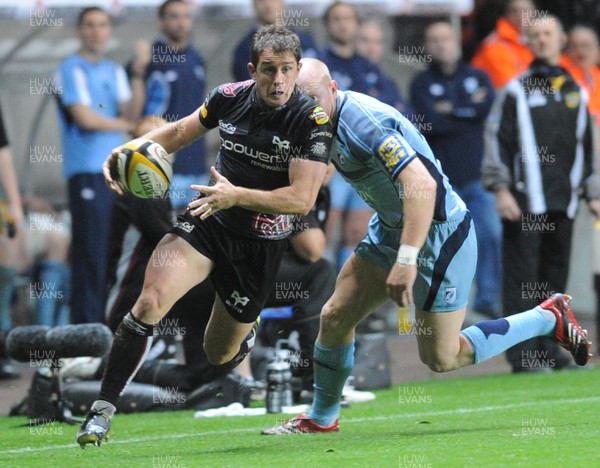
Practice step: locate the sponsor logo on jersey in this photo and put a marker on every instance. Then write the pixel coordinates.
(323, 133)
(185, 226)
(281, 145)
(232, 89)
(319, 148)
(272, 225)
(227, 127)
(275, 160)
(391, 150)
(319, 116)
(203, 110)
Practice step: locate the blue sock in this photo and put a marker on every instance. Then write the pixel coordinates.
(344, 254)
(492, 337)
(332, 366)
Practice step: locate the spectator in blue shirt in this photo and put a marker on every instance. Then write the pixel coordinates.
(269, 12)
(370, 44)
(351, 70)
(96, 105)
(175, 80)
(454, 100)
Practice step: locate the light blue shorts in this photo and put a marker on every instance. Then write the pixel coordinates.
(344, 197)
(446, 264)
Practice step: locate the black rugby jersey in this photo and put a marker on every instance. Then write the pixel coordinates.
(257, 145)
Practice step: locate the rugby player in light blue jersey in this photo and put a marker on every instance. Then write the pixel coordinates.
(420, 251)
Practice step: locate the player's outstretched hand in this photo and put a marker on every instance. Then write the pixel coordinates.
(399, 284)
(111, 172)
(217, 197)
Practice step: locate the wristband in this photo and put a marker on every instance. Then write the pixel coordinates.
(407, 254)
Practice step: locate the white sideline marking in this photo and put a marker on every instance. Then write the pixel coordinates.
(480, 409)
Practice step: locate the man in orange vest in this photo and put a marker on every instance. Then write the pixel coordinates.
(504, 54)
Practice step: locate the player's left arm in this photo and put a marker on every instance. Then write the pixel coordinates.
(306, 178)
(419, 189)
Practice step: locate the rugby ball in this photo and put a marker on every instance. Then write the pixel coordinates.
(144, 168)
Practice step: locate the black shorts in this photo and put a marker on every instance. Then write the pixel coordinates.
(244, 269)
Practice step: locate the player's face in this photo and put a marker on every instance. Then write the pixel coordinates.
(583, 48)
(177, 22)
(442, 44)
(546, 40)
(275, 75)
(267, 10)
(94, 31)
(342, 26)
(369, 43)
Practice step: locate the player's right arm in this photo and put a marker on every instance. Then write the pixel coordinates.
(419, 189)
(177, 135)
(172, 137)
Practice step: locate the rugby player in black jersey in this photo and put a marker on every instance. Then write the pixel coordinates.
(272, 161)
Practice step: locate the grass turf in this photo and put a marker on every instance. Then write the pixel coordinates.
(506, 420)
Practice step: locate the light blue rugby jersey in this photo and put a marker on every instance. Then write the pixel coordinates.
(374, 143)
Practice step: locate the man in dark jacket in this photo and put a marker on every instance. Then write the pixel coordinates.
(538, 162)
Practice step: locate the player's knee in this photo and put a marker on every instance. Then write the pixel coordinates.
(218, 355)
(149, 307)
(333, 321)
(439, 363)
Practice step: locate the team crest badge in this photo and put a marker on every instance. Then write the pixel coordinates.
(450, 295)
(572, 99)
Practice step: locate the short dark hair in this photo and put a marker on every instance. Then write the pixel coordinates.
(162, 9)
(335, 4)
(276, 38)
(82, 14)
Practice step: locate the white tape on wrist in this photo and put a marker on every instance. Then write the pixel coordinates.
(407, 255)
